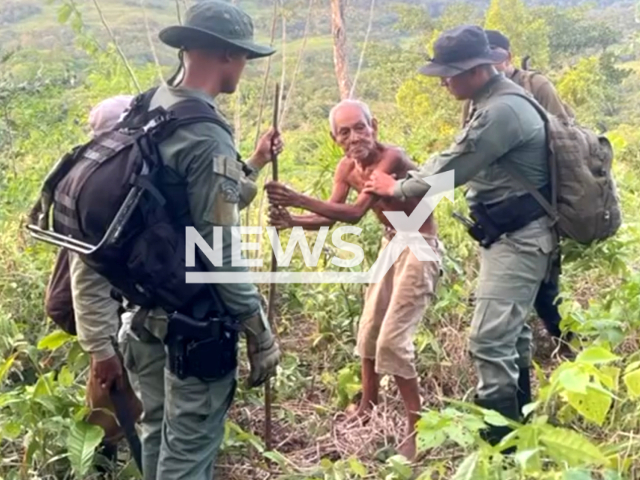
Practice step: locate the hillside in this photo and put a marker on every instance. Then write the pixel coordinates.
(55, 65)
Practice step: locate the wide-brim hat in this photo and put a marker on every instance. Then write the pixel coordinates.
(461, 49)
(213, 24)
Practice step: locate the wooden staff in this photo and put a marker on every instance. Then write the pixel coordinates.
(272, 286)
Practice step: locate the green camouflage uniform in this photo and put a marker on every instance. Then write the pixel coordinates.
(183, 420)
(503, 129)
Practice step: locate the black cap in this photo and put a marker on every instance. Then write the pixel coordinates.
(497, 39)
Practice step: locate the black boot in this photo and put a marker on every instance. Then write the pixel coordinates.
(524, 391)
(507, 407)
(106, 459)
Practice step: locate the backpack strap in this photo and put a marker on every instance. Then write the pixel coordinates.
(192, 110)
(512, 170)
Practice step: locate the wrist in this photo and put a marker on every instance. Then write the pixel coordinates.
(103, 354)
(397, 192)
(257, 161)
(301, 201)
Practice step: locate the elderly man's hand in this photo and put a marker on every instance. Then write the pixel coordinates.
(280, 195)
(279, 217)
(381, 184)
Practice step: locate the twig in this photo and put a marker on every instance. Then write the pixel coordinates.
(153, 50)
(261, 110)
(178, 12)
(364, 47)
(272, 289)
(284, 50)
(266, 74)
(118, 49)
(305, 37)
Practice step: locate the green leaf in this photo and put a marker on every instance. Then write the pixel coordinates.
(577, 475)
(276, 457)
(357, 467)
(494, 418)
(632, 366)
(426, 439)
(468, 467)
(529, 408)
(44, 385)
(596, 355)
(400, 466)
(523, 457)
(593, 406)
(459, 434)
(6, 366)
(610, 376)
(632, 381)
(574, 380)
(65, 377)
(64, 12)
(568, 446)
(81, 444)
(54, 340)
(12, 430)
(76, 24)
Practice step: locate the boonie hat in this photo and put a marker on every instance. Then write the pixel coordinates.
(212, 24)
(460, 49)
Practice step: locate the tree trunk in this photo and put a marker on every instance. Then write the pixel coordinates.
(340, 58)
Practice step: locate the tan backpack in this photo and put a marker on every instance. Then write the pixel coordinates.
(585, 204)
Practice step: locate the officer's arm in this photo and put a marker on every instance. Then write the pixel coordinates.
(548, 97)
(213, 187)
(490, 134)
(96, 312)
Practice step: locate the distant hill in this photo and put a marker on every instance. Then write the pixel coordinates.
(34, 23)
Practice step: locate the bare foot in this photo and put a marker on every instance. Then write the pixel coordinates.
(359, 414)
(408, 448)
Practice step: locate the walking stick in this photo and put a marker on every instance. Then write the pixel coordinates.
(272, 288)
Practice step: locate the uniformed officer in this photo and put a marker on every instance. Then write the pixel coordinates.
(505, 133)
(534, 82)
(183, 420)
(547, 300)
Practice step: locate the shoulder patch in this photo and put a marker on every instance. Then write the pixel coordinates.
(227, 166)
(230, 191)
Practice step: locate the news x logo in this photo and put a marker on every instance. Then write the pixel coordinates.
(408, 235)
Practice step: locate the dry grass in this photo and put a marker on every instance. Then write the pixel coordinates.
(308, 428)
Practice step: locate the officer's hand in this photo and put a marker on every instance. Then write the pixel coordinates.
(270, 144)
(381, 184)
(108, 371)
(281, 196)
(262, 349)
(279, 217)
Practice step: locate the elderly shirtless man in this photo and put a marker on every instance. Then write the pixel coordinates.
(393, 306)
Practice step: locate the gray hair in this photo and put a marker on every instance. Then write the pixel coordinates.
(356, 103)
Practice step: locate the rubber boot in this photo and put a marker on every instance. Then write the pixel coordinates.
(507, 407)
(106, 459)
(524, 391)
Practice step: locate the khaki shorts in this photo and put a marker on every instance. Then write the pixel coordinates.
(393, 307)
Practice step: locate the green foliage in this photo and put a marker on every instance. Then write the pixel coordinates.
(585, 412)
(82, 442)
(527, 32)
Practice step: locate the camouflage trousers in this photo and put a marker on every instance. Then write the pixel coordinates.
(183, 420)
(511, 271)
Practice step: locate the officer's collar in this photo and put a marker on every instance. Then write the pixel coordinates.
(181, 91)
(486, 90)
